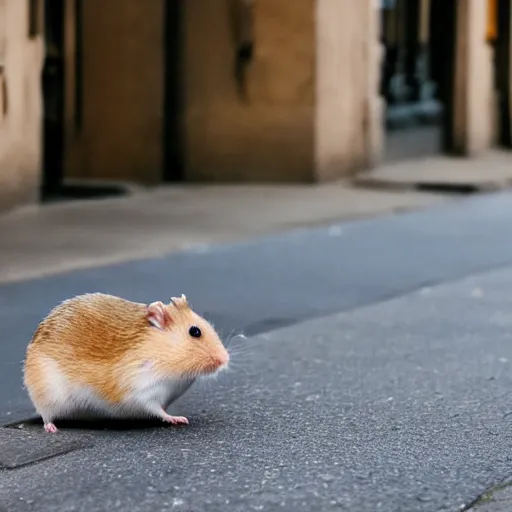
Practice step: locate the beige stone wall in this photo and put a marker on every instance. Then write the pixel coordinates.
(121, 136)
(269, 138)
(313, 111)
(21, 59)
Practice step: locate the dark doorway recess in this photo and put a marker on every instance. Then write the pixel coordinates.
(54, 186)
(53, 98)
(417, 76)
(503, 48)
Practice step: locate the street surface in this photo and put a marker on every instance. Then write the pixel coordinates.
(376, 375)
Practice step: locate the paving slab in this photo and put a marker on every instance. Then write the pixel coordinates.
(399, 406)
(19, 448)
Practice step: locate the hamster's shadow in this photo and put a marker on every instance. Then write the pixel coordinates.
(98, 424)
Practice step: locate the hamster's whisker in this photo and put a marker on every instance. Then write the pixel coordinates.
(232, 337)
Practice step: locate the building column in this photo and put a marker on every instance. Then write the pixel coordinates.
(473, 127)
(21, 61)
(349, 110)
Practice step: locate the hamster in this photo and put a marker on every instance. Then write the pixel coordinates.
(101, 354)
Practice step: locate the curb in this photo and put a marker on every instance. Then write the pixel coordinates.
(433, 186)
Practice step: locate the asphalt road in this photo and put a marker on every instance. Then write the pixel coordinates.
(401, 405)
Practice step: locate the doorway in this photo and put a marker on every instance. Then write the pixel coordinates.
(418, 37)
(502, 43)
(53, 99)
(62, 78)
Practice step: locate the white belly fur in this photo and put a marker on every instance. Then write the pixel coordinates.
(69, 400)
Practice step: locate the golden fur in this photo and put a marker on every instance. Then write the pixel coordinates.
(100, 341)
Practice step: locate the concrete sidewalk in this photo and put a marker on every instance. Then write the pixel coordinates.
(487, 173)
(45, 240)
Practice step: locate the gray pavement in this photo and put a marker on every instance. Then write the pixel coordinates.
(278, 280)
(398, 405)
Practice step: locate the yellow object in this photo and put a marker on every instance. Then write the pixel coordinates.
(492, 20)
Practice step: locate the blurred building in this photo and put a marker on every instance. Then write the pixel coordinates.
(21, 61)
(152, 91)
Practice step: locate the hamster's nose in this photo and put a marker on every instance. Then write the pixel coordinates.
(222, 359)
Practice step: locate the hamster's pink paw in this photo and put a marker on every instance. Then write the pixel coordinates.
(176, 420)
(50, 428)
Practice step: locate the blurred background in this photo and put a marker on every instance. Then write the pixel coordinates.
(95, 95)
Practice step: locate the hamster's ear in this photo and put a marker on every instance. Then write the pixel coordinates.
(158, 316)
(180, 302)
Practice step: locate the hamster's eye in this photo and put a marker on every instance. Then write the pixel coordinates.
(195, 332)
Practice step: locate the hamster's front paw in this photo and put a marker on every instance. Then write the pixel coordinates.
(175, 420)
